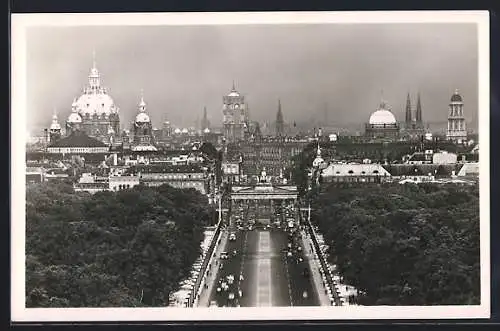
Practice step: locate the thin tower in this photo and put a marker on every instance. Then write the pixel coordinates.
(408, 117)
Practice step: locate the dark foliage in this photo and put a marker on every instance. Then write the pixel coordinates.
(124, 249)
(404, 244)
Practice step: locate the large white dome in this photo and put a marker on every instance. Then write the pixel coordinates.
(381, 117)
(96, 102)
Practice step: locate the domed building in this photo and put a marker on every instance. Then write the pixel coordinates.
(94, 112)
(382, 124)
(143, 129)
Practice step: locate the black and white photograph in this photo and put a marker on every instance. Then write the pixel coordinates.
(250, 166)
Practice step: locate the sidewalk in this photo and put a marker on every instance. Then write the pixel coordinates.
(204, 300)
(314, 266)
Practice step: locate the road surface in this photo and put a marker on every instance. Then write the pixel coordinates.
(270, 277)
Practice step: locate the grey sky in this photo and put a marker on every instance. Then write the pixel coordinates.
(183, 69)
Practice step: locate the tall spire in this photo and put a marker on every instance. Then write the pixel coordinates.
(204, 121)
(234, 88)
(419, 110)
(279, 120)
(408, 117)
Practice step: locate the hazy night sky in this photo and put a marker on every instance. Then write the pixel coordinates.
(184, 68)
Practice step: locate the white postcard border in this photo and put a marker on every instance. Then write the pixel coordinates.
(20, 22)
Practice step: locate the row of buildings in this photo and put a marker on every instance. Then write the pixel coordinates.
(92, 136)
(95, 113)
(435, 166)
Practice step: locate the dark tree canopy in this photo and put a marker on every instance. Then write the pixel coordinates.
(111, 249)
(404, 244)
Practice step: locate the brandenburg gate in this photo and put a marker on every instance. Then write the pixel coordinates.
(263, 197)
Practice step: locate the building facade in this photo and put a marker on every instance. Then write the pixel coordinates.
(235, 120)
(355, 173)
(78, 143)
(457, 128)
(273, 154)
(183, 176)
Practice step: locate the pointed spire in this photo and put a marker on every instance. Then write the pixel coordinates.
(204, 121)
(234, 88)
(408, 117)
(419, 110)
(142, 104)
(279, 120)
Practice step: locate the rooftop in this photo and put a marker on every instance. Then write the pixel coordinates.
(77, 139)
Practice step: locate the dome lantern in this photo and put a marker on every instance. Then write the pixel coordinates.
(456, 97)
(142, 116)
(382, 116)
(94, 76)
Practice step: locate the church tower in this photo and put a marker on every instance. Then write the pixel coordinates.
(418, 119)
(55, 129)
(143, 131)
(280, 124)
(234, 111)
(457, 130)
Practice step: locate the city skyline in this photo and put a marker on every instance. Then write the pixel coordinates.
(306, 67)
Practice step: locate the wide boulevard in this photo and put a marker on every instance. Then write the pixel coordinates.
(263, 265)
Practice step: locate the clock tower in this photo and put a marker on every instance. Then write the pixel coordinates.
(234, 111)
